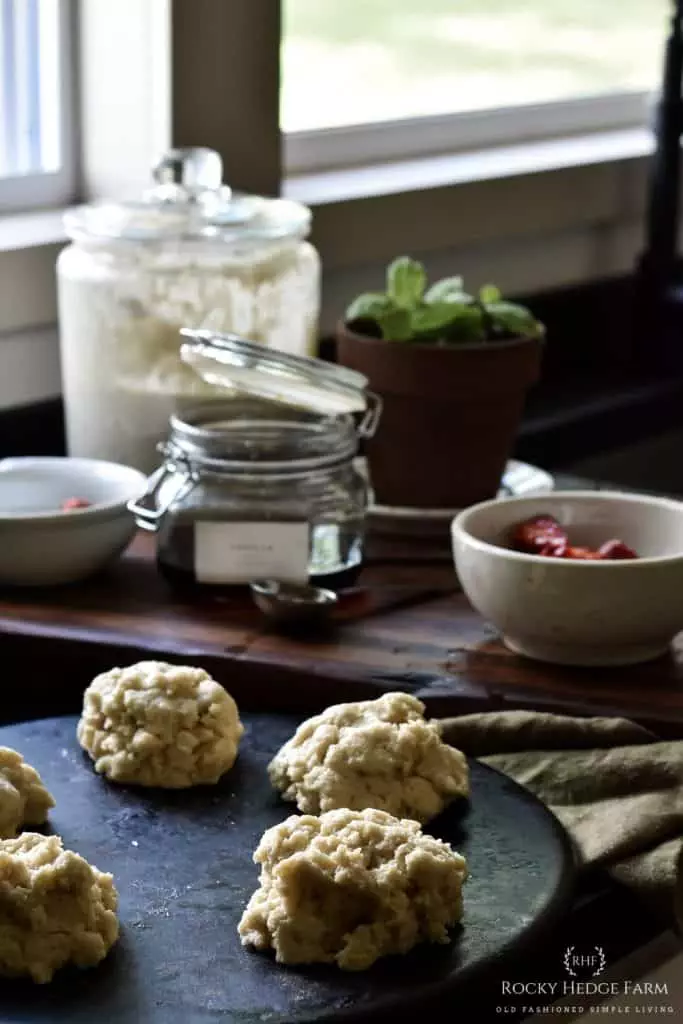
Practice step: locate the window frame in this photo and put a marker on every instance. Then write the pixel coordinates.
(413, 138)
(53, 188)
(538, 223)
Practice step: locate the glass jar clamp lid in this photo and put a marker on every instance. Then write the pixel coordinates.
(246, 367)
(279, 481)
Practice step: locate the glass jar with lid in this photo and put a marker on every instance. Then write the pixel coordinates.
(267, 485)
(189, 253)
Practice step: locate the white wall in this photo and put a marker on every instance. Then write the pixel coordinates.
(29, 366)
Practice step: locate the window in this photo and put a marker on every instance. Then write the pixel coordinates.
(36, 161)
(382, 63)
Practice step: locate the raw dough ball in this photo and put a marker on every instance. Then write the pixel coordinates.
(55, 908)
(349, 887)
(159, 725)
(23, 797)
(374, 753)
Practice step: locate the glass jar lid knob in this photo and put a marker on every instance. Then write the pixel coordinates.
(193, 173)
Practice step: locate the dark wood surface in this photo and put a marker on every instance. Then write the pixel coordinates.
(407, 627)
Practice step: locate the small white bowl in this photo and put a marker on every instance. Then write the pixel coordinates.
(39, 543)
(577, 612)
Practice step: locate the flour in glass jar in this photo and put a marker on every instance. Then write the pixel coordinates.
(189, 253)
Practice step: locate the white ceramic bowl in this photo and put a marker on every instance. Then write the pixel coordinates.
(577, 612)
(39, 543)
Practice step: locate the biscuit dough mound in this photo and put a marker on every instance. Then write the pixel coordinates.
(55, 908)
(351, 886)
(154, 724)
(24, 800)
(373, 753)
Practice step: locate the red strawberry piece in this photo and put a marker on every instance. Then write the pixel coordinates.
(535, 534)
(582, 554)
(616, 549)
(72, 503)
(556, 548)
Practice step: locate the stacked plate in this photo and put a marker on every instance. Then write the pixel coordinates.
(518, 479)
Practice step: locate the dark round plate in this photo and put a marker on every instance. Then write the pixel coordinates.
(182, 864)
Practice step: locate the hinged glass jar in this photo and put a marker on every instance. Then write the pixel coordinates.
(189, 253)
(267, 485)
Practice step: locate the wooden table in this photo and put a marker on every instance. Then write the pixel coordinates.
(407, 628)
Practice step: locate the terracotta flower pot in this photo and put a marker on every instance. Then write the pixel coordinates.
(450, 415)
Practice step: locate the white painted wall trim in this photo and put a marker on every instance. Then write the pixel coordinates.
(29, 366)
(125, 56)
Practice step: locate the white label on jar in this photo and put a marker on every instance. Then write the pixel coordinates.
(241, 552)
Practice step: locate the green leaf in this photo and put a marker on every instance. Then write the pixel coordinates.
(395, 325)
(514, 319)
(372, 305)
(449, 289)
(448, 322)
(435, 316)
(489, 293)
(406, 282)
(467, 326)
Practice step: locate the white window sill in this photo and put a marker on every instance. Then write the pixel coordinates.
(31, 230)
(45, 227)
(496, 163)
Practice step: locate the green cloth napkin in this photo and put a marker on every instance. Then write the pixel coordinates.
(614, 785)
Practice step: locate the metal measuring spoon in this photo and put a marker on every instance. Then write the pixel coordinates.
(293, 604)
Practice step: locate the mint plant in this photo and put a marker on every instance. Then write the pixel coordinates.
(444, 313)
